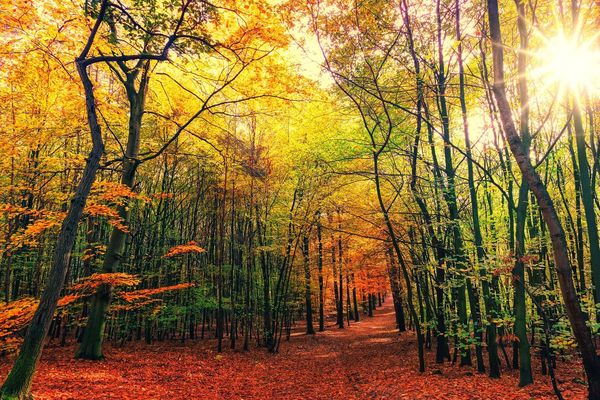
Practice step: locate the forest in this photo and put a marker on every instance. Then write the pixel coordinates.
(299, 199)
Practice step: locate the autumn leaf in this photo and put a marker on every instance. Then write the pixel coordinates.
(189, 247)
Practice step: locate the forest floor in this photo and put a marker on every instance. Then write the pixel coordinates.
(368, 360)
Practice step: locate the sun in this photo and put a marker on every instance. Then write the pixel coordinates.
(573, 65)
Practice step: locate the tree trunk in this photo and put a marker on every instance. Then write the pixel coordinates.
(320, 267)
(520, 310)
(459, 259)
(587, 199)
(91, 344)
(340, 259)
(310, 330)
(394, 276)
(473, 290)
(442, 349)
(355, 301)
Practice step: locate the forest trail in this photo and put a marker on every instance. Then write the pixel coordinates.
(368, 360)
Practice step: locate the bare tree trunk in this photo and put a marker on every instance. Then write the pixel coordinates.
(310, 330)
(460, 261)
(340, 317)
(520, 309)
(400, 257)
(355, 301)
(320, 267)
(473, 291)
(394, 276)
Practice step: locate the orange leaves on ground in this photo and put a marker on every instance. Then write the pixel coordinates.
(189, 247)
(307, 368)
(94, 281)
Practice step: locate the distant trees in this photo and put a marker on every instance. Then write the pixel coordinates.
(148, 30)
(462, 181)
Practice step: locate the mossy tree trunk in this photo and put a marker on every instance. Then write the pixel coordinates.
(91, 344)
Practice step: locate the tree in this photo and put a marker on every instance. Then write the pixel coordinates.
(18, 383)
(158, 29)
(559, 244)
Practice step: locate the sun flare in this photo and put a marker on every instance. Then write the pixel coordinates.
(571, 64)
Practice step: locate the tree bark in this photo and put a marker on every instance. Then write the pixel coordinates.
(310, 330)
(91, 344)
(520, 308)
(320, 267)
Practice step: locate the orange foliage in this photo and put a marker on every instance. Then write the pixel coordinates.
(30, 235)
(94, 281)
(104, 196)
(116, 193)
(15, 316)
(138, 305)
(112, 216)
(93, 251)
(12, 209)
(189, 247)
(144, 294)
(68, 299)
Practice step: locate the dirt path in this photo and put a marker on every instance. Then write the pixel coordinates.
(368, 360)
